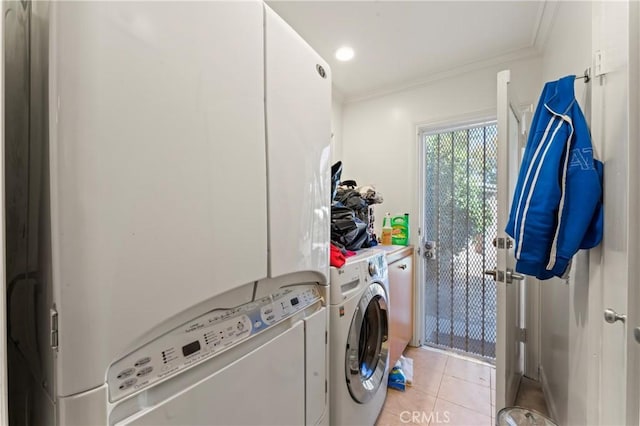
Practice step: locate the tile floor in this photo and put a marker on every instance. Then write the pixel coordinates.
(446, 390)
(530, 395)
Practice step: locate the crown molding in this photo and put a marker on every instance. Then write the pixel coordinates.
(516, 55)
(544, 22)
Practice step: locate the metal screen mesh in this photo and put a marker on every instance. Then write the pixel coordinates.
(460, 219)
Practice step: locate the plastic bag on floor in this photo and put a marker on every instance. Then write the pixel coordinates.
(396, 378)
(406, 364)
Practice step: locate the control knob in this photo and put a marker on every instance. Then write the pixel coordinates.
(373, 269)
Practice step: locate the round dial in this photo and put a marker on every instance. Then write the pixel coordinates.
(373, 269)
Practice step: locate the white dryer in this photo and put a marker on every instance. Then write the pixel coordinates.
(359, 324)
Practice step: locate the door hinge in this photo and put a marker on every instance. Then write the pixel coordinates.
(522, 335)
(326, 337)
(53, 321)
(599, 62)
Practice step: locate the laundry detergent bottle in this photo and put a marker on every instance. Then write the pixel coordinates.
(400, 231)
(387, 230)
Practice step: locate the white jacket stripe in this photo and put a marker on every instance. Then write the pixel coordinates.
(554, 245)
(533, 186)
(524, 185)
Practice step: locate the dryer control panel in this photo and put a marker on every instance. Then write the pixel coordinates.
(202, 338)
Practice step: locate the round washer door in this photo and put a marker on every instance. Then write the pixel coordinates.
(367, 345)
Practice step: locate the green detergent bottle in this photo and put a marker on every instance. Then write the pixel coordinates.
(400, 233)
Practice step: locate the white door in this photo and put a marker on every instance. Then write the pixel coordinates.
(508, 347)
(615, 135)
(298, 125)
(158, 169)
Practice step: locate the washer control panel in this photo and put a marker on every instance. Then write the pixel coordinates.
(202, 338)
(378, 267)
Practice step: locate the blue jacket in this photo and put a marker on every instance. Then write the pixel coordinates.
(557, 204)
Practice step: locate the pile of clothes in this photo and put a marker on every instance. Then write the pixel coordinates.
(351, 215)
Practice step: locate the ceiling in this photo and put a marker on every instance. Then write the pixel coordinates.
(399, 44)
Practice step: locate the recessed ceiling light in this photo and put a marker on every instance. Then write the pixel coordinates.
(345, 53)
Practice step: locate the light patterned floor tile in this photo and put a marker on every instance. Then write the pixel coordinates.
(411, 400)
(447, 390)
(428, 367)
(493, 378)
(387, 418)
(469, 395)
(422, 357)
(426, 379)
(455, 415)
(493, 398)
(470, 371)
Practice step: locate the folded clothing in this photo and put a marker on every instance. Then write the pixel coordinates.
(336, 258)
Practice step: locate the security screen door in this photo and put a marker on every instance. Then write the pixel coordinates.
(459, 228)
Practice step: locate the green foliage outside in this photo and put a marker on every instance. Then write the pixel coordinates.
(457, 186)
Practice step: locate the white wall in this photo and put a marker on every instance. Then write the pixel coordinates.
(565, 306)
(336, 128)
(379, 141)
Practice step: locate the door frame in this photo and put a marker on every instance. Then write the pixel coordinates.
(633, 311)
(619, 67)
(423, 128)
(531, 296)
(508, 374)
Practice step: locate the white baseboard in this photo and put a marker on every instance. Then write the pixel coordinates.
(548, 397)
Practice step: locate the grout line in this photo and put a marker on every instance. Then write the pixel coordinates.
(466, 408)
(468, 381)
(471, 409)
(455, 355)
(442, 377)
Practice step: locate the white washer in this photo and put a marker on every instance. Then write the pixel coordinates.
(359, 319)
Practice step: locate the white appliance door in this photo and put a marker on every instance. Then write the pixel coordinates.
(367, 350)
(315, 335)
(265, 387)
(158, 168)
(298, 99)
(508, 346)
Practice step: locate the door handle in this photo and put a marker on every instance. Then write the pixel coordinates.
(497, 275)
(612, 316)
(636, 334)
(514, 276)
(403, 266)
(430, 250)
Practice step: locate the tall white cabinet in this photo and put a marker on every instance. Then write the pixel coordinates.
(298, 102)
(158, 168)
